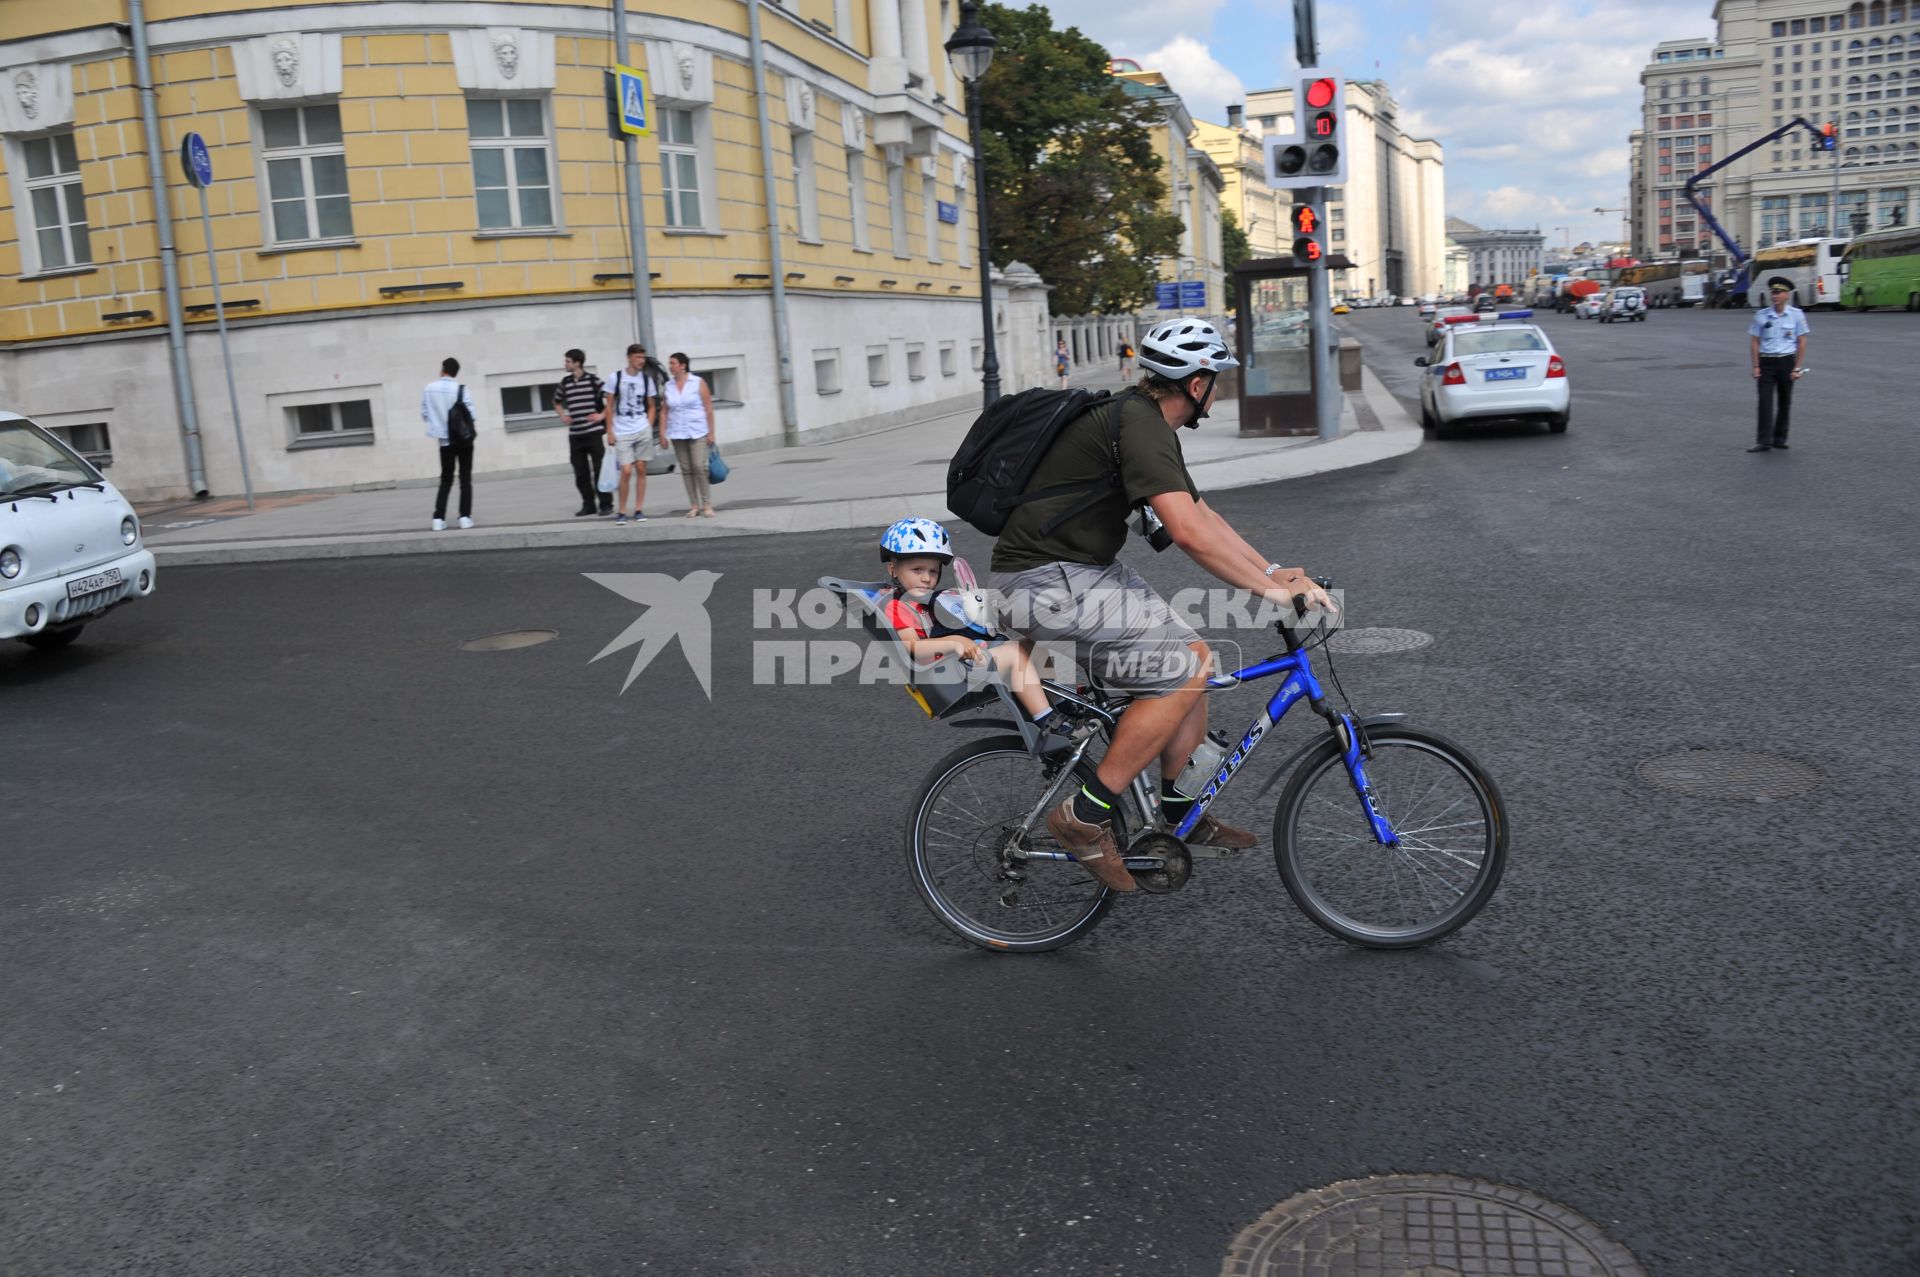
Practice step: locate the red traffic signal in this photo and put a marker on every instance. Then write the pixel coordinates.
(1306, 220)
(1320, 92)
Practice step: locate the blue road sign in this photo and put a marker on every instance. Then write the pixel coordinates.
(195, 160)
(1166, 296)
(949, 213)
(1193, 294)
(631, 84)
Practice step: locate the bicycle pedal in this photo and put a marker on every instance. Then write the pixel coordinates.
(1217, 853)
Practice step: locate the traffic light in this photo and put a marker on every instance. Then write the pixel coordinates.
(1316, 154)
(1829, 136)
(1309, 235)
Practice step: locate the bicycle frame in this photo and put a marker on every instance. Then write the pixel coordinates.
(1298, 685)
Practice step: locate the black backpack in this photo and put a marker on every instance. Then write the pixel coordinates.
(988, 476)
(460, 427)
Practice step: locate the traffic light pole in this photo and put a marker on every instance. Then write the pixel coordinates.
(1320, 345)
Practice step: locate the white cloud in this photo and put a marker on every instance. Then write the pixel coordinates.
(1195, 74)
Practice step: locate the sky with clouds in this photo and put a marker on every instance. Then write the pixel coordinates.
(1532, 99)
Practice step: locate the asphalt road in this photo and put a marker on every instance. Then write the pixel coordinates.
(330, 948)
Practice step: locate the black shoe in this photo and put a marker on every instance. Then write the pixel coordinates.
(1782, 443)
(1761, 447)
(606, 508)
(1056, 740)
(583, 512)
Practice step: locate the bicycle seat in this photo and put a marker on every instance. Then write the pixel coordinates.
(941, 688)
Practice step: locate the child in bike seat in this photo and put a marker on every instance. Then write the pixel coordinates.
(916, 553)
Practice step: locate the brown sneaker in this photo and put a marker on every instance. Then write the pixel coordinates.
(1092, 846)
(1211, 833)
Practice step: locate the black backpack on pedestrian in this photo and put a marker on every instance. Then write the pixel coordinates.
(460, 427)
(988, 476)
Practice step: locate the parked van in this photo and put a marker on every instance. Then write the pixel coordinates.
(70, 547)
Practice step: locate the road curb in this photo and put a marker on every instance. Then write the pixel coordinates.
(1398, 435)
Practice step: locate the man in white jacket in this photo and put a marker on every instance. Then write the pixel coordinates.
(435, 401)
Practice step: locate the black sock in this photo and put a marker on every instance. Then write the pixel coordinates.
(1173, 803)
(1095, 802)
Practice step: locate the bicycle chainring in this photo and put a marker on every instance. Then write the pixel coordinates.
(1173, 863)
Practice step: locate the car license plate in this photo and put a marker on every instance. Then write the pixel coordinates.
(93, 584)
(1505, 374)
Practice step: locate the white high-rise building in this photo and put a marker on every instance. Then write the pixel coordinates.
(1854, 65)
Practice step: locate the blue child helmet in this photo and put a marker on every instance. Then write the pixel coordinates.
(915, 536)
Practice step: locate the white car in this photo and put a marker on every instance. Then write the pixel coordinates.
(1588, 307)
(70, 544)
(1494, 369)
(1626, 303)
(1438, 324)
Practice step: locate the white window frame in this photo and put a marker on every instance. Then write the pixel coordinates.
(916, 361)
(304, 154)
(339, 435)
(806, 186)
(879, 365)
(897, 209)
(699, 125)
(542, 417)
(517, 142)
(930, 214)
(949, 363)
(27, 224)
(726, 378)
(826, 371)
(857, 212)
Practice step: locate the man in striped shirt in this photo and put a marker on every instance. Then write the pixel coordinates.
(579, 401)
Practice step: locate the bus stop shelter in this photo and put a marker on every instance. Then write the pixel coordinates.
(1272, 324)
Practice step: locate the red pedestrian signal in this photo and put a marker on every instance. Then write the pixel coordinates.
(1305, 220)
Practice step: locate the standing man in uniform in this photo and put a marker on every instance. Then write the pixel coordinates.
(1778, 336)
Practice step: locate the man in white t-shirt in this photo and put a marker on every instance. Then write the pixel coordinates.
(633, 428)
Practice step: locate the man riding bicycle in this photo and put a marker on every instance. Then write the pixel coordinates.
(1065, 584)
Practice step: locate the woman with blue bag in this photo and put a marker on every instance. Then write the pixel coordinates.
(690, 431)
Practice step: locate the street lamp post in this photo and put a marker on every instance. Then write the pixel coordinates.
(970, 49)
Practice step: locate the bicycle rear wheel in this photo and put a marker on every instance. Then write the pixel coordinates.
(963, 854)
(1453, 841)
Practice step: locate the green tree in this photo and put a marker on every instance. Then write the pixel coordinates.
(1234, 247)
(1075, 180)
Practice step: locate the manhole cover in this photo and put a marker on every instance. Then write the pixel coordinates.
(509, 641)
(1424, 1226)
(1375, 640)
(1727, 773)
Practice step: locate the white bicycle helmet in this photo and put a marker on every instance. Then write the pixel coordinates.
(915, 536)
(1181, 348)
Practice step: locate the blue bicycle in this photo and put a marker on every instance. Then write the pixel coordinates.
(1385, 835)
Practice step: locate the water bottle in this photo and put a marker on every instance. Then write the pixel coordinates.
(1202, 766)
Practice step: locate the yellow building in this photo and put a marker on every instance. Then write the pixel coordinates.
(1194, 185)
(400, 181)
(1261, 211)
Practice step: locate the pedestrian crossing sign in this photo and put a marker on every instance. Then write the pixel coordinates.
(630, 100)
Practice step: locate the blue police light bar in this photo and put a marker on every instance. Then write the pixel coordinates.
(1514, 314)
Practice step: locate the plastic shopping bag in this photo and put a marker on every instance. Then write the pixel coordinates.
(716, 468)
(609, 472)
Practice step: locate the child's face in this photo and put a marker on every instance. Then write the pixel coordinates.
(917, 573)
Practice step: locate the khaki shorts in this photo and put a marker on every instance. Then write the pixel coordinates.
(634, 450)
(1122, 635)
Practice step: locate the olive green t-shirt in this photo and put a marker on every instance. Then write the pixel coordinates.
(1150, 464)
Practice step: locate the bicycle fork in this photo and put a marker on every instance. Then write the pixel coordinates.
(1356, 753)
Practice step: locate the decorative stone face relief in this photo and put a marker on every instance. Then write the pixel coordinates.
(38, 96)
(801, 105)
(853, 126)
(290, 67)
(502, 59)
(680, 72)
(285, 51)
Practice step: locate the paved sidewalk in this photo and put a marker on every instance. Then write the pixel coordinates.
(861, 482)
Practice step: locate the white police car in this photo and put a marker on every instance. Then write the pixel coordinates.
(1486, 367)
(69, 543)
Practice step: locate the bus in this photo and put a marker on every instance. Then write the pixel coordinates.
(1883, 269)
(1670, 283)
(1811, 265)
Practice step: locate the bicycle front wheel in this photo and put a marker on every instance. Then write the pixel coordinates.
(1452, 849)
(964, 850)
